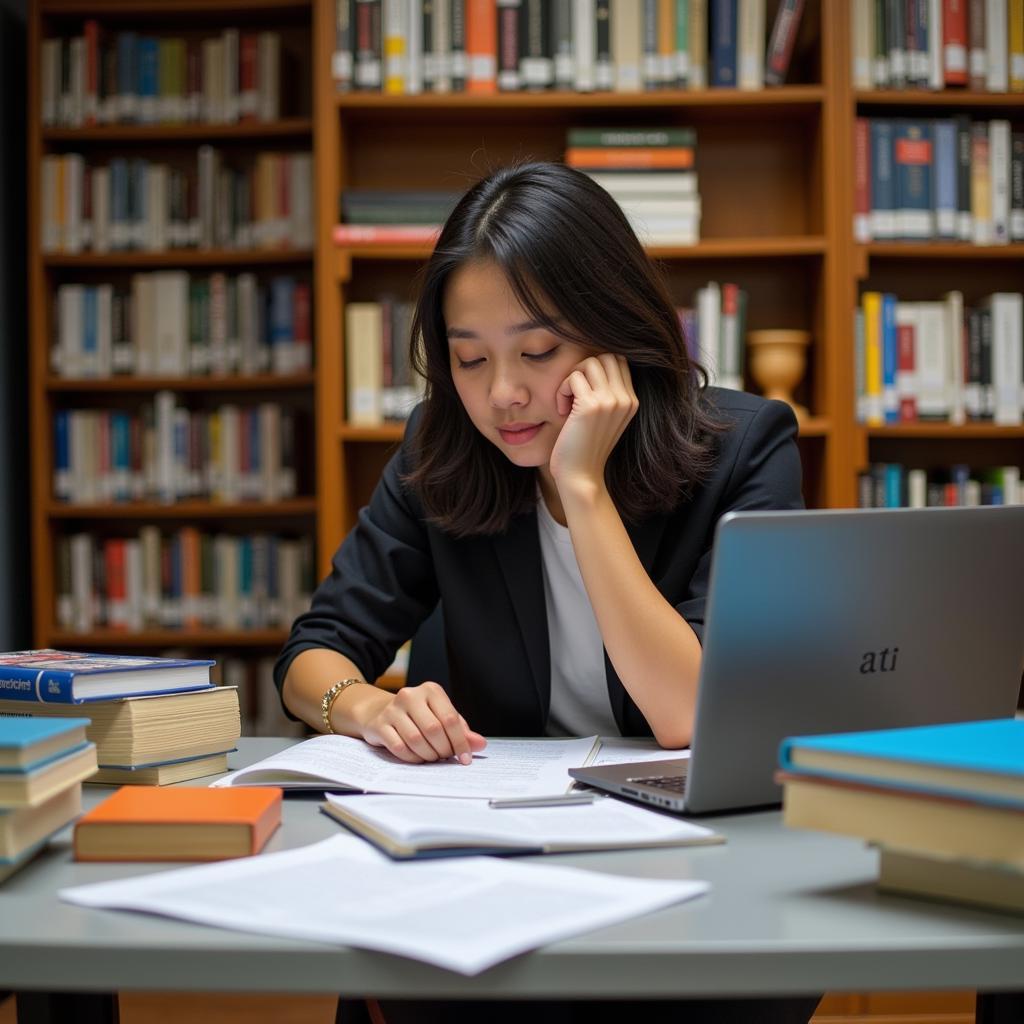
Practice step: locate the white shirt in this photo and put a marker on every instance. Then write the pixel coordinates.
(579, 689)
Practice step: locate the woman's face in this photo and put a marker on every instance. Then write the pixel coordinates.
(506, 367)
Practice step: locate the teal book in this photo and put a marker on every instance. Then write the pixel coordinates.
(28, 743)
(979, 761)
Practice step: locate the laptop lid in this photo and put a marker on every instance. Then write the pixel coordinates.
(839, 620)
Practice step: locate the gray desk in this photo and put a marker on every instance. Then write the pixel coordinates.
(789, 912)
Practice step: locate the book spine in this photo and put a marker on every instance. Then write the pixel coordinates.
(723, 43)
(37, 685)
(780, 44)
(954, 42)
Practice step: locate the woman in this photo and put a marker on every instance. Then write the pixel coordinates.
(557, 493)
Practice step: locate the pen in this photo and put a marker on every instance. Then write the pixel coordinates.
(561, 800)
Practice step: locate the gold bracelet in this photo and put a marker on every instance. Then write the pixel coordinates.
(328, 699)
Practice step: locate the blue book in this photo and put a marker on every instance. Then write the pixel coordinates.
(883, 180)
(62, 455)
(71, 677)
(26, 743)
(890, 360)
(913, 167)
(723, 43)
(944, 172)
(976, 761)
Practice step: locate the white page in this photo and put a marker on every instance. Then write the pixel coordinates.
(605, 823)
(502, 907)
(623, 750)
(505, 768)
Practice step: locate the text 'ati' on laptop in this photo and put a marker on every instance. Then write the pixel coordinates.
(841, 620)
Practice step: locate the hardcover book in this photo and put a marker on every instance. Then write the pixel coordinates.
(24, 829)
(71, 677)
(153, 824)
(30, 788)
(983, 760)
(133, 731)
(27, 743)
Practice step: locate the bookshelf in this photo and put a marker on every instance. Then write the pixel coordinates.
(173, 136)
(775, 232)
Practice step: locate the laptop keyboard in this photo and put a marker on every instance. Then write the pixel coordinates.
(675, 783)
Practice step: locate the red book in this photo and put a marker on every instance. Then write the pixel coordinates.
(91, 31)
(954, 41)
(248, 87)
(302, 330)
(117, 588)
(386, 234)
(905, 373)
(155, 823)
(780, 43)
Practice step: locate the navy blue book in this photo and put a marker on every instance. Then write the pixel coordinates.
(26, 743)
(71, 677)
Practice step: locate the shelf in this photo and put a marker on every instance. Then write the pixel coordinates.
(945, 431)
(117, 639)
(386, 432)
(145, 385)
(135, 260)
(790, 97)
(943, 98)
(185, 510)
(772, 247)
(173, 132)
(943, 251)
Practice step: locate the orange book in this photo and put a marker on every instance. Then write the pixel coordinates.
(482, 46)
(633, 157)
(178, 823)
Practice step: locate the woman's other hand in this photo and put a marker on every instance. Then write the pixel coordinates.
(599, 399)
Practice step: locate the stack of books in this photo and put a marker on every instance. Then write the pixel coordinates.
(153, 721)
(395, 217)
(42, 765)
(943, 803)
(650, 172)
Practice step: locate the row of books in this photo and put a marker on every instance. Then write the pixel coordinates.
(650, 172)
(245, 201)
(487, 46)
(380, 383)
(173, 323)
(714, 329)
(42, 766)
(126, 78)
(938, 44)
(942, 804)
(938, 178)
(181, 579)
(893, 485)
(939, 361)
(166, 452)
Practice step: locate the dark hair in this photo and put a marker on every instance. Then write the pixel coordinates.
(565, 245)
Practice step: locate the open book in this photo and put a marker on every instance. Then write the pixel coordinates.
(405, 827)
(505, 768)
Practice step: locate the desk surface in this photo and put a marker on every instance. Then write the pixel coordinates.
(788, 912)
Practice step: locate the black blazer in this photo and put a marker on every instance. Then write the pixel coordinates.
(393, 568)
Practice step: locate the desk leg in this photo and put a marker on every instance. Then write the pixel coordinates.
(67, 1008)
(999, 1008)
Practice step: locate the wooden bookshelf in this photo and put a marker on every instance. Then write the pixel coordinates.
(292, 131)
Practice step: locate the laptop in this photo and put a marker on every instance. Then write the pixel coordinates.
(835, 621)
